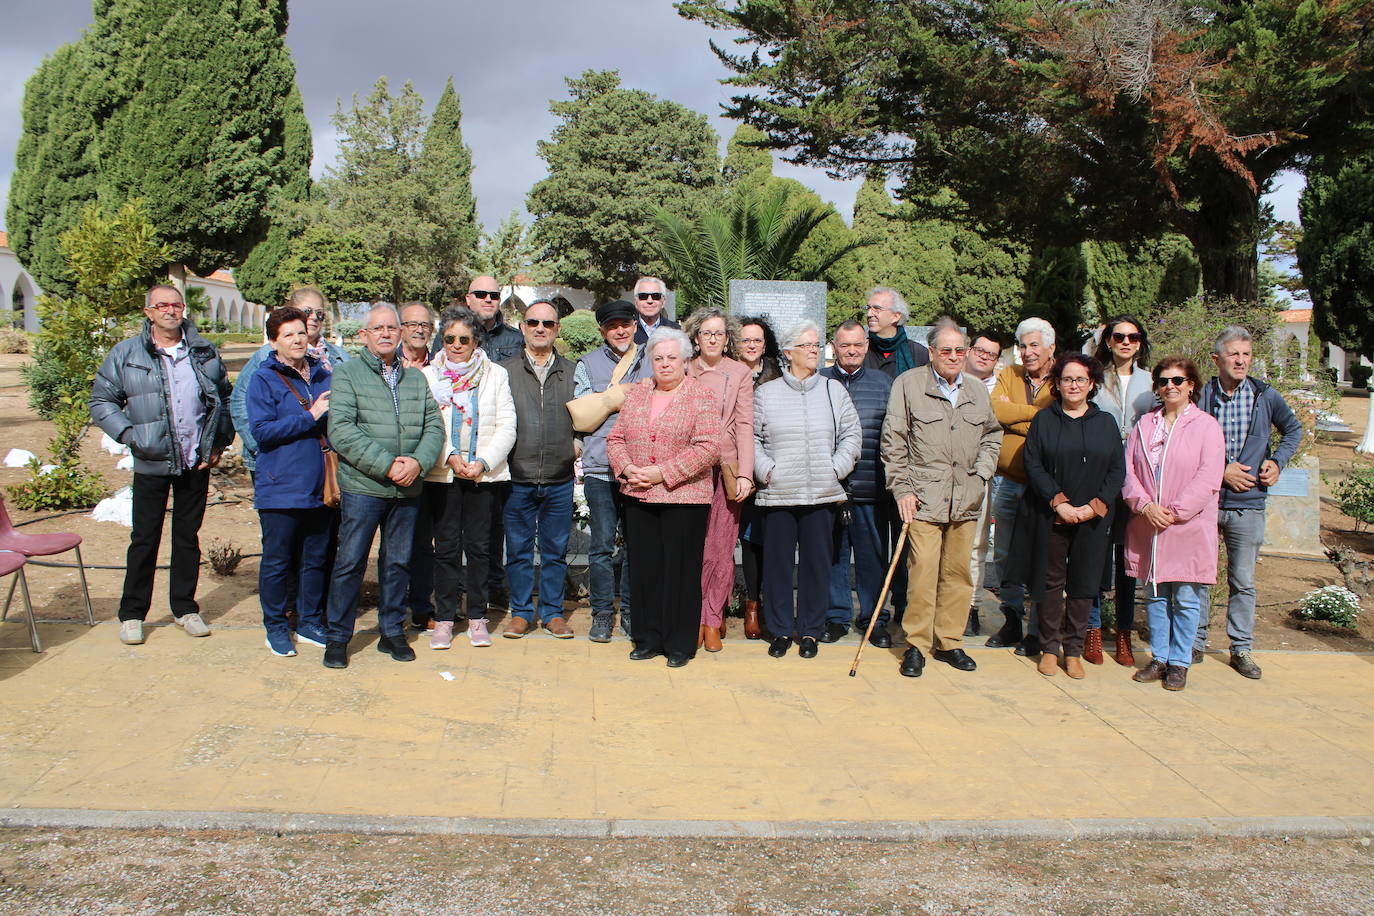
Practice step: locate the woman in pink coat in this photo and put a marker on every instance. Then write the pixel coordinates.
(1174, 460)
(715, 335)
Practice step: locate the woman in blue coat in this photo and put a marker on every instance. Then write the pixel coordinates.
(288, 397)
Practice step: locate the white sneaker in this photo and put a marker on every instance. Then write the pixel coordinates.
(131, 632)
(193, 624)
(477, 632)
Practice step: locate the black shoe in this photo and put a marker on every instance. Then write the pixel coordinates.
(778, 647)
(913, 663)
(498, 598)
(640, 653)
(1029, 646)
(336, 655)
(397, 647)
(602, 628)
(955, 658)
(973, 627)
(880, 639)
(807, 648)
(1199, 656)
(834, 632)
(1008, 636)
(678, 659)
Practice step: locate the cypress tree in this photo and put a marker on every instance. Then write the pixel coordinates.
(260, 278)
(445, 170)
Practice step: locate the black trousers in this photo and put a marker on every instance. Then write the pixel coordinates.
(808, 531)
(1125, 591)
(665, 577)
(496, 542)
(188, 491)
(1063, 623)
(462, 518)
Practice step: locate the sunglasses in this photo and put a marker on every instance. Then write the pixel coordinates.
(549, 323)
(1165, 380)
(462, 340)
(1118, 337)
(316, 313)
(653, 296)
(491, 294)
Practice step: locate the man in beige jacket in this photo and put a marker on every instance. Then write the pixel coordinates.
(940, 445)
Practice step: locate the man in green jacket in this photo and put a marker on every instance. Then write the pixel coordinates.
(385, 426)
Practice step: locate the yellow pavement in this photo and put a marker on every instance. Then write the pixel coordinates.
(543, 728)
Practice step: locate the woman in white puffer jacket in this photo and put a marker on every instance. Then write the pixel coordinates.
(806, 441)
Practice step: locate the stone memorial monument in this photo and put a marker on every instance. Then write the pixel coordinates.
(782, 302)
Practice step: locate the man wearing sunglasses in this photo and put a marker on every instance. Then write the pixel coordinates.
(165, 394)
(1248, 411)
(311, 301)
(650, 296)
(500, 341)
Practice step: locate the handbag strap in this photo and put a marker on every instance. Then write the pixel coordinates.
(305, 405)
(623, 367)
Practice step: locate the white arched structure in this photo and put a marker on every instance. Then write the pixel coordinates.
(18, 290)
(227, 305)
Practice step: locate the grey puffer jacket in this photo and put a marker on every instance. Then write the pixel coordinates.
(129, 401)
(806, 440)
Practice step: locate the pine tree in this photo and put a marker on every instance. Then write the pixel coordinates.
(259, 277)
(339, 264)
(445, 169)
(507, 253)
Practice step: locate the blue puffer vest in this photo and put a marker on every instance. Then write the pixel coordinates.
(869, 389)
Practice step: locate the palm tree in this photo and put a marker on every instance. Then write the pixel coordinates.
(756, 236)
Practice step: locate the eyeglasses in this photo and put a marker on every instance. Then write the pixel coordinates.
(654, 296)
(805, 346)
(492, 294)
(1165, 381)
(416, 325)
(985, 354)
(1074, 381)
(167, 306)
(874, 307)
(461, 340)
(549, 323)
(315, 313)
(751, 341)
(951, 351)
(384, 329)
(1134, 337)
(711, 335)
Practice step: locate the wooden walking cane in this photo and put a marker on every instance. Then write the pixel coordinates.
(882, 597)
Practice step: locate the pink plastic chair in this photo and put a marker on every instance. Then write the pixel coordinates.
(11, 562)
(41, 545)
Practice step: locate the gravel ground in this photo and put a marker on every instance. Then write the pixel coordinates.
(154, 872)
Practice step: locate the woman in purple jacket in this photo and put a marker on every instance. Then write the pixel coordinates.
(288, 398)
(1174, 460)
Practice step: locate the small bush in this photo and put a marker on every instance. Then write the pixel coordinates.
(1359, 375)
(67, 486)
(224, 557)
(13, 340)
(1355, 495)
(580, 334)
(1334, 603)
(348, 328)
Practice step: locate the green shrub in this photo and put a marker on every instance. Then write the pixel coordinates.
(1355, 495)
(348, 328)
(1334, 603)
(1359, 375)
(580, 334)
(69, 485)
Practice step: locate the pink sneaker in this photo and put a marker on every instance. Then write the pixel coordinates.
(477, 632)
(441, 637)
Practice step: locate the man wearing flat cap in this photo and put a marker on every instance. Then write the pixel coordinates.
(618, 321)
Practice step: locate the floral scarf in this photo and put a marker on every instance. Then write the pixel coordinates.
(455, 385)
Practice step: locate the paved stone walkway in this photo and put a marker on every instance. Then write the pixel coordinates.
(543, 728)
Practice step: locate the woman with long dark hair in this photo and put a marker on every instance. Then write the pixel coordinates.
(758, 351)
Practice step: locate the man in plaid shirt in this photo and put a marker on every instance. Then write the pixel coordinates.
(1248, 410)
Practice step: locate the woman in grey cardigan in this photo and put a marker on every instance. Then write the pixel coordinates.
(1126, 392)
(806, 441)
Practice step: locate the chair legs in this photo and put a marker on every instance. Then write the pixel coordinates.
(85, 592)
(4, 615)
(28, 608)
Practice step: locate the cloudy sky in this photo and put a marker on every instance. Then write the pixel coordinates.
(507, 59)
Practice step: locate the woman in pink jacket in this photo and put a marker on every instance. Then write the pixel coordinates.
(715, 335)
(662, 451)
(1174, 460)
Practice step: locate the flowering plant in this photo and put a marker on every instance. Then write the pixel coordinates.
(1334, 603)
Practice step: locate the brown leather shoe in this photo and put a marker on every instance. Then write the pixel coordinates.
(1175, 677)
(1124, 655)
(1150, 673)
(1092, 646)
(558, 628)
(1048, 664)
(753, 628)
(1073, 667)
(516, 627)
(724, 628)
(711, 639)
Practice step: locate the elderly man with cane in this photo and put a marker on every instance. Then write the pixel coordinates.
(940, 445)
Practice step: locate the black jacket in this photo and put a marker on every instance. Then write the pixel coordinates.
(920, 356)
(869, 389)
(543, 452)
(1083, 459)
(663, 322)
(502, 341)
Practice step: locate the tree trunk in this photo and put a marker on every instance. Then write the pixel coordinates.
(176, 275)
(1225, 234)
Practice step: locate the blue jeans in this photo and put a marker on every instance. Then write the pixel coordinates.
(1006, 498)
(295, 544)
(606, 507)
(1243, 532)
(1173, 614)
(359, 518)
(542, 511)
(860, 537)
